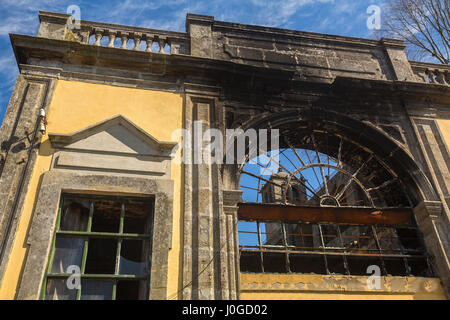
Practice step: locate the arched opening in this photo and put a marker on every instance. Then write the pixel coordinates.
(325, 202)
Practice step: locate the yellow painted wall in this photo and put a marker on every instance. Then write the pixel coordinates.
(444, 127)
(76, 105)
(320, 287)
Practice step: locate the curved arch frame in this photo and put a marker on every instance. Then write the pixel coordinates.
(387, 151)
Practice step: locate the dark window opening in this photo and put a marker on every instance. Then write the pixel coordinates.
(106, 216)
(130, 290)
(274, 262)
(304, 263)
(101, 257)
(331, 248)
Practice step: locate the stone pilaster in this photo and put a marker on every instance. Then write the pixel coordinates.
(395, 50)
(208, 232)
(429, 216)
(230, 200)
(19, 142)
(199, 28)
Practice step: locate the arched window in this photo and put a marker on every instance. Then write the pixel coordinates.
(324, 204)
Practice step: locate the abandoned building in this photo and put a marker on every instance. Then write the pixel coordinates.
(91, 192)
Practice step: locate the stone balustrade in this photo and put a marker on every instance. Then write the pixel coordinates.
(142, 40)
(431, 73)
(58, 26)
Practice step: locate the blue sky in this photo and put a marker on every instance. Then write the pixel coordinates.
(340, 17)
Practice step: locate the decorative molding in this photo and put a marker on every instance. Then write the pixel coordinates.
(54, 183)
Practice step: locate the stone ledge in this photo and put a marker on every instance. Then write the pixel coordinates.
(336, 283)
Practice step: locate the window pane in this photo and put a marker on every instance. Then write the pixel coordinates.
(106, 216)
(335, 264)
(303, 236)
(250, 262)
(305, 263)
(68, 251)
(74, 214)
(133, 257)
(271, 233)
(138, 217)
(358, 238)
(248, 235)
(419, 267)
(101, 257)
(395, 266)
(96, 290)
(330, 236)
(57, 289)
(388, 239)
(409, 239)
(131, 290)
(358, 265)
(274, 262)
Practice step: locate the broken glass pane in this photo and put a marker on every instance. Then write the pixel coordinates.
(330, 236)
(106, 216)
(303, 236)
(74, 214)
(57, 289)
(68, 252)
(271, 233)
(137, 217)
(133, 257)
(358, 238)
(388, 239)
(101, 257)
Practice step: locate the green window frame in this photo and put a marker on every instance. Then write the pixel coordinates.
(89, 235)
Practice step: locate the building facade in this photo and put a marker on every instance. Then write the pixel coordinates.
(95, 203)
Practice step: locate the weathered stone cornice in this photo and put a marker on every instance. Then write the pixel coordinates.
(73, 59)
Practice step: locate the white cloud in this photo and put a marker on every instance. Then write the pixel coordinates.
(279, 13)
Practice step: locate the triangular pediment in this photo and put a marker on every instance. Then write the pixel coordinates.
(114, 135)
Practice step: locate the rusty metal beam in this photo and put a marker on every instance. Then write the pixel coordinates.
(274, 212)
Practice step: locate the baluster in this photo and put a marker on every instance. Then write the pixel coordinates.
(112, 38)
(420, 75)
(137, 40)
(161, 42)
(430, 75)
(98, 37)
(439, 76)
(149, 41)
(124, 38)
(447, 77)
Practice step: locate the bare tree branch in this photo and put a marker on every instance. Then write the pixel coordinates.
(424, 25)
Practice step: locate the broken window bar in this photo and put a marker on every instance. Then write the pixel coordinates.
(377, 242)
(323, 248)
(347, 270)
